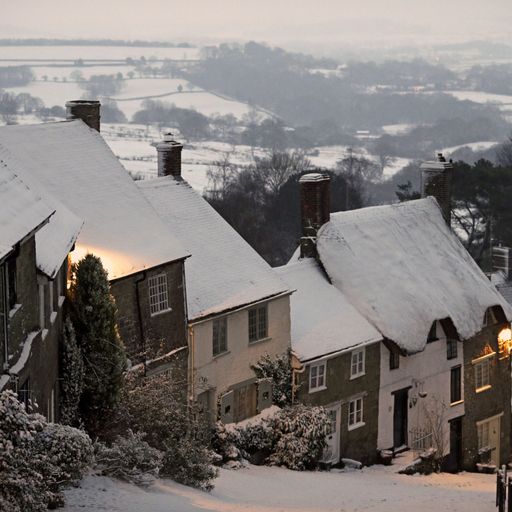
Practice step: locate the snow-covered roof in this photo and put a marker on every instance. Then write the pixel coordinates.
(323, 321)
(224, 271)
(74, 164)
(22, 210)
(402, 268)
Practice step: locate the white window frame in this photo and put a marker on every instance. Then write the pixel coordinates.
(483, 430)
(261, 327)
(222, 322)
(317, 376)
(355, 413)
(357, 363)
(158, 294)
(482, 369)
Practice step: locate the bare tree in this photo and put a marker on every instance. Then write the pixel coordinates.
(504, 153)
(220, 175)
(434, 422)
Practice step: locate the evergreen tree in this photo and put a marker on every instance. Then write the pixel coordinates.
(72, 371)
(94, 319)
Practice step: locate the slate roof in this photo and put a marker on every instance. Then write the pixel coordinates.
(74, 165)
(224, 271)
(323, 321)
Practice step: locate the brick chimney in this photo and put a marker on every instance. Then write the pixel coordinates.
(315, 207)
(436, 181)
(169, 157)
(86, 110)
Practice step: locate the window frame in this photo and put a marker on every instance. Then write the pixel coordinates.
(257, 323)
(318, 386)
(355, 414)
(482, 373)
(359, 364)
(451, 348)
(455, 385)
(222, 344)
(158, 294)
(394, 360)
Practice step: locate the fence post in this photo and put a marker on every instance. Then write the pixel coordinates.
(509, 508)
(498, 485)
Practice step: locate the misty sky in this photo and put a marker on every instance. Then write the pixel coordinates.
(275, 21)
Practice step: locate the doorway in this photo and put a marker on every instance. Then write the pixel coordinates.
(332, 450)
(400, 418)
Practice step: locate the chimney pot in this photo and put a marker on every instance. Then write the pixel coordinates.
(169, 156)
(315, 209)
(436, 180)
(86, 110)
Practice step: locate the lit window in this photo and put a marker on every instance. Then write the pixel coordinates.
(258, 323)
(355, 413)
(455, 384)
(451, 348)
(220, 338)
(317, 376)
(482, 374)
(357, 363)
(158, 296)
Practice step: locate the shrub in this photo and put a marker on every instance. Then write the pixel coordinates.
(129, 458)
(279, 370)
(38, 458)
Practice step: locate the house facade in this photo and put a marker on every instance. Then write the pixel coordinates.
(238, 308)
(38, 235)
(437, 316)
(145, 263)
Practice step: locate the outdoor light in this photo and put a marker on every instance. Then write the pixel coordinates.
(505, 340)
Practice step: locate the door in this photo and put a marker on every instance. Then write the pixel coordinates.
(489, 432)
(494, 440)
(400, 418)
(332, 450)
(453, 461)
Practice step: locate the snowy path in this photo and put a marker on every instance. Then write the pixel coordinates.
(262, 489)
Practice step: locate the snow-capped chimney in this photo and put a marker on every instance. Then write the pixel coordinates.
(436, 181)
(169, 157)
(86, 110)
(315, 207)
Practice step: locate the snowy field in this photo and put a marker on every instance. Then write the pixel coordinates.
(52, 93)
(474, 146)
(264, 489)
(65, 71)
(94, 53)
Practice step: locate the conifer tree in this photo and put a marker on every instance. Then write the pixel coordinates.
(93, 314)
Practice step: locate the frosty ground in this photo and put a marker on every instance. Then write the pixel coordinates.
(264, 489)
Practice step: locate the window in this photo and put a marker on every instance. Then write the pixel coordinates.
(158, 297)
(25, 394)
(355, 413)
(432, 334)
(317, 376)
(483, 435)
(455, 384)
(220, 335)
(451, 348)
(258, 323)
(357, 363)
(394, 360)
(482, 374)
(11, 282)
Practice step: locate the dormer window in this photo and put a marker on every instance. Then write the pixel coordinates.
(432, 334)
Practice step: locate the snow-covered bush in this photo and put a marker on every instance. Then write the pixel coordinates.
(157, 407)
(72, 376)
(190, 464)
(129, 458)
(279, 371)
(37, 458)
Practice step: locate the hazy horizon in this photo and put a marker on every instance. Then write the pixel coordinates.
(297, 23)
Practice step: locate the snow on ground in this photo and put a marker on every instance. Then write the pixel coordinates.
(52, 93)
(64, 71)
(146, 87)
(264, 489)
(502, 100)
(474, 146)
(61, 52)
(398, 129)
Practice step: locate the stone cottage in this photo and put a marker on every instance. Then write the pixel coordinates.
(438, 316)
(145, 263)
(238, 308)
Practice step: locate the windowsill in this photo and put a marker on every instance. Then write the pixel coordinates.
(53, 317)
(393, 369)
(458, 402)
(483, 388)
(481, 358)
(44, 333)
(255, 342)
(356, 425)
(161, 312)
(217, 356)
(357, 375)
(14, 310)
(314, 390)
(61, 300)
